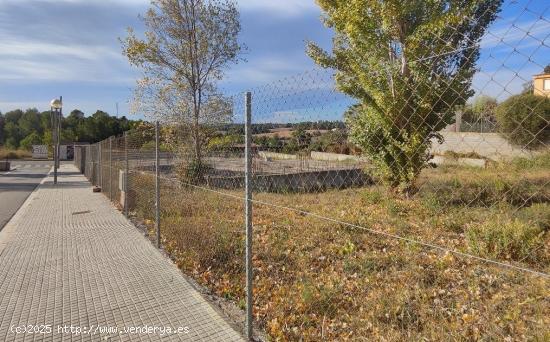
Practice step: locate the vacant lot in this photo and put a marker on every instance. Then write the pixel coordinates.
(318, 279)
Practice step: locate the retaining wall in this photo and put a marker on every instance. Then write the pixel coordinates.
(488, 145)
(295, 182)
(335, 157)
(277, 156)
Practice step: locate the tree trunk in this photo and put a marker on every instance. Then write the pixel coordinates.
(196, 135)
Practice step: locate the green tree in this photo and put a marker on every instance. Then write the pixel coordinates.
(16, 126)
(103, 125)
(30, 122)
(31, 139)
(12, 134)
(2, 122)
(13, 116)
(525, 120)
(334, 141)
(409, 64)
(187, 47)
(484, 108)
(76, 115)
(301, 137)
(73, 124)
(47, 139)
(274, 143)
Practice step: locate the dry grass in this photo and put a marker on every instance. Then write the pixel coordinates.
(320, 280)
(14, 154)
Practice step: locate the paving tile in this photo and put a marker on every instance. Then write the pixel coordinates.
(58, 269)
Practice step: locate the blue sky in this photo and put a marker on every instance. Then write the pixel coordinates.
(69, 47)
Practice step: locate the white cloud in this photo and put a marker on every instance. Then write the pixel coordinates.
(270, 7)
(59, 68)
(29, 49)
(128, 2)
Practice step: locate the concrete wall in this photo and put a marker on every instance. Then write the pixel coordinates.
(488, 145)
(439, 160)
(277, 156)
(295, 182)
(335, 157)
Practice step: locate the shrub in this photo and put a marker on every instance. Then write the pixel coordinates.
(203, 242)
(148, 146)
(525, 120)
(541, 161)
(13, 154)
(457, 155)
(513, 240)
(485, 190)
(194, 172)
(538, 214)
(31, 139)
(151, 146)
(142, 190)
(224, 142)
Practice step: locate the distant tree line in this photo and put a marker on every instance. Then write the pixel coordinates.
(260, 128)
(21, 129)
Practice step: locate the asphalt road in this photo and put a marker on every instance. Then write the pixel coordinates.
(16, 185)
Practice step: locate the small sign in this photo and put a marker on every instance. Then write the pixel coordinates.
(40, 152)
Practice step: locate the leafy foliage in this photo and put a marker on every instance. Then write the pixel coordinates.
(482, 108)
(188, 45)
(193, 172)
(515, 240)
(224, 142)
(409, 64)
(22, 129)
(31, 139)
(525, 120)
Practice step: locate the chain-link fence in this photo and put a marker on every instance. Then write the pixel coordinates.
(428, 222)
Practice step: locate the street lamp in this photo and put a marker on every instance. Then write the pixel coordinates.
(56, 106)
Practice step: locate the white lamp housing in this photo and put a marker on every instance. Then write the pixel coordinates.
(56, 104)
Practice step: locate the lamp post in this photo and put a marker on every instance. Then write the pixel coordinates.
(56, 106)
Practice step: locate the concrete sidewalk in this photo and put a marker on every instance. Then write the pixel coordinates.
(70, 261)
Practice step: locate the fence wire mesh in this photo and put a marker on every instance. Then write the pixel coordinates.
(342, 249)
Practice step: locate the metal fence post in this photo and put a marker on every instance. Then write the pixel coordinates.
(96, 164)
(248, 215)
(54, 141)
(157, 183)
(111, 168)
(93, 154)
(126, 175)
(458, 121)
(100, 166)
